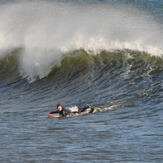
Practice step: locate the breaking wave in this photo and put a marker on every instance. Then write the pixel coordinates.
(43, 35)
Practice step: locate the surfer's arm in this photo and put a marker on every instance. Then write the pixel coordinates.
(54, 112)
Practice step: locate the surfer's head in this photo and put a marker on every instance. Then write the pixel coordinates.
(59, 107)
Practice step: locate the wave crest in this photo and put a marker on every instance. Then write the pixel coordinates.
(80, 62)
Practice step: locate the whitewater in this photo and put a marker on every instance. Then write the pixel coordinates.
(104, 53)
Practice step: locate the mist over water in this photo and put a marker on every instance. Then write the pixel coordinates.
(46, 31)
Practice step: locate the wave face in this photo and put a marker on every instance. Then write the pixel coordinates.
(122, 77)
(45, 32)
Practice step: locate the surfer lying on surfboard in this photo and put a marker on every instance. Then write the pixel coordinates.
(65, 112)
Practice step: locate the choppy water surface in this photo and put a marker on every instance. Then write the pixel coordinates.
(113, 61)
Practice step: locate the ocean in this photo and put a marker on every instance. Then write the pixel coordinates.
(104, 53)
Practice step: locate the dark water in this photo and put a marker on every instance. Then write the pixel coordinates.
(116, 68)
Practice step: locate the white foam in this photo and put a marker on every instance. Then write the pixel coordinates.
(73, 108)
(47, 30)
(106, 108)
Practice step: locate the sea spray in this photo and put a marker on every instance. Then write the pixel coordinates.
(47, 31)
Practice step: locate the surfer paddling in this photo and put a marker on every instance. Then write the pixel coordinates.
(66, 113)
(61, 111)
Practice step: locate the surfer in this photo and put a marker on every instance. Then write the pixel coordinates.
(65, 112)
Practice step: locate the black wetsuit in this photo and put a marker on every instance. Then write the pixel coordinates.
(63, 112)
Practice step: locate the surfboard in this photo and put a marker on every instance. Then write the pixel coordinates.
(53, 115)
